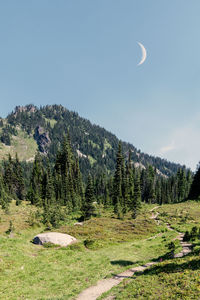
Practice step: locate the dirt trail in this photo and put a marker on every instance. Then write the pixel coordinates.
(104, 285)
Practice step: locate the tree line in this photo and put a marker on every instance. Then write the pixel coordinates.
(59, 189)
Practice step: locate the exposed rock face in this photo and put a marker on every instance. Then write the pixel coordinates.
(42, 139)
(80, 154)
(28, 108)
(54, 238)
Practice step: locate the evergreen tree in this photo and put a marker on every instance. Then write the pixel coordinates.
(129, 196)
(118, 183)
(8, 174)
(136, 205)
(181, 177)
(36, 182)
(195, 186)
(88, 208)
(19, 180)
(4, 200)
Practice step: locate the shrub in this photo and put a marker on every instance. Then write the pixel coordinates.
(192, 235)
(186, 237)
(11, 228)
(171, 247)
(77, 247)
(93, 244)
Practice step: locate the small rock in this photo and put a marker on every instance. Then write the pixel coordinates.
(78, 224)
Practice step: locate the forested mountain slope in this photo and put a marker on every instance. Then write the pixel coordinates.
(30, 128)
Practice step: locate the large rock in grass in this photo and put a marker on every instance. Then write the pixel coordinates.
(55, 238)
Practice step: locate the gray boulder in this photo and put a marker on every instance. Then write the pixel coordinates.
(56, 238)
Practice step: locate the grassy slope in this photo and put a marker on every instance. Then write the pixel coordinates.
(21, 144)
(171, 279)
(61, 273)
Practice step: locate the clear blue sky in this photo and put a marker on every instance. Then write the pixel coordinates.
(84, 54)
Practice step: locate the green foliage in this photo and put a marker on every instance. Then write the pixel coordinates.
(77, 247)
(88, 207)
(192, 235)
(11, 228)
(34, 218)
(171, 247)
(195, 187)
(171, 279)
(136, 205)
(50, 245)
(52, 216)
(93, 244)
(118, 210)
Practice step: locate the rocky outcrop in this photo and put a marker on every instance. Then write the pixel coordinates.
(28, 108)
(42, 138)
(55, 238)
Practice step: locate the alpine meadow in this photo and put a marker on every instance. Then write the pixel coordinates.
(99, 150)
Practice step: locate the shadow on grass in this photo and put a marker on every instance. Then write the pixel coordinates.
(174, 267)
(123, 263)
(164, 257)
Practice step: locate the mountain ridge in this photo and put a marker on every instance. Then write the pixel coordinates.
(43, 129)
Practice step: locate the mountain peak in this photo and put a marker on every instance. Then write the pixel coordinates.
(27, 108)
(29, 127)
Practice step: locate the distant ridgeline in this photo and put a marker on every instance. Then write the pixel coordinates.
(29, 128)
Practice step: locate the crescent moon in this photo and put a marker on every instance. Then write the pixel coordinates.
(144, 54)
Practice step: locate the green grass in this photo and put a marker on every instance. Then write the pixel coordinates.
(30, 271)
(91, 160)
(172, 279)
(181, 216)
(21, 144)
(94, 145)
(51, 121)
(107, 145)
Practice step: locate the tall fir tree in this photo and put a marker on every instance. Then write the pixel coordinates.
(136, 205)
(195, 186)
(118, 182)
(19, 180)
(34, 194)
(88, 207)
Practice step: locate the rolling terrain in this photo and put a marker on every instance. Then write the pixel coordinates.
(106, 246)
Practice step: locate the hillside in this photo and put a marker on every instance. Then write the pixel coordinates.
(30, 128)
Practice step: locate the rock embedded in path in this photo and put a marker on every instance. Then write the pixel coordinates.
(78, 224)
(55, 238)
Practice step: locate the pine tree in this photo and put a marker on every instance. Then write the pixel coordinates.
(118, 210)
(181, 177)
(151, 184)
(19, 180)
(4, 200)
(8, 174)
(88, 208)
(68, 179)
(195, 186)
(158, 192)
(129, 182)
(118, 178)
(136, 205)
(34, 194)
